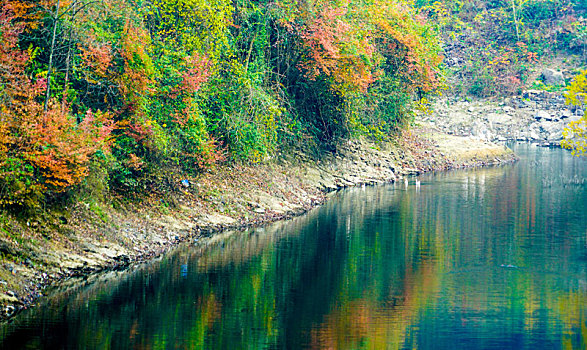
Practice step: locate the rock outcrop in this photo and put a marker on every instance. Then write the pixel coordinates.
(552, 77)
(536, 116)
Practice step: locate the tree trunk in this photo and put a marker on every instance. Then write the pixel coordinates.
(51, 53)
(515, 20)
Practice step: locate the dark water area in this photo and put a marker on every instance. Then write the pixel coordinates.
(492, 258)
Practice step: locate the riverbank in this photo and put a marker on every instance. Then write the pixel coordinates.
(91, 237)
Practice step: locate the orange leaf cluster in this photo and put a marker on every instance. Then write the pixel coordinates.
(402, 33)
(335, 49)
(43, 148)
(349, 44)
(138, 70)
(60, 148)
(98, 58)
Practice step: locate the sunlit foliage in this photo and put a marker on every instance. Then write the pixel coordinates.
(575, 134)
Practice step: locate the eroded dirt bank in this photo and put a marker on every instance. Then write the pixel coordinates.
(92, 237)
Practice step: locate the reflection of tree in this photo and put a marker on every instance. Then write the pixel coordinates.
(390, 275)
(534, 230)
(465, 249)
(375, 268)
(377, 324)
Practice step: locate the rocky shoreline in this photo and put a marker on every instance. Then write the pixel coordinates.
(536, 116)
(94, 237)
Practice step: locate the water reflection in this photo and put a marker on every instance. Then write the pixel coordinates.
(487, 259)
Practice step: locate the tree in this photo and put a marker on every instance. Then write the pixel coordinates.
(517, 8)
(179, 84)
(43, 148)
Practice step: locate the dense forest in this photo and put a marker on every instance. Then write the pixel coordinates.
(126, 95)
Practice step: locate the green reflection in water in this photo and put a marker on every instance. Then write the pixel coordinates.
(490, 258)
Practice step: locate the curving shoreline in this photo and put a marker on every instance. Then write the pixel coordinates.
(90, 237)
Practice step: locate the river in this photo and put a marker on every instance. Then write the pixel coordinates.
(490, 258)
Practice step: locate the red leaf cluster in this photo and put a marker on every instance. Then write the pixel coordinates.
(98, 58)
(197, 73)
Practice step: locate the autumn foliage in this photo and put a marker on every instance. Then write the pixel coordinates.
(170, 86)
(41, 151)
(338, 49)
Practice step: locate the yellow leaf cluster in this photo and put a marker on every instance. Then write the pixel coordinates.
(575, 134)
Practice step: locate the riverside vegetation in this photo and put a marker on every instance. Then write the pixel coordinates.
(109, 108)
(129, 94)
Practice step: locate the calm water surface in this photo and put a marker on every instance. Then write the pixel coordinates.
(492, 258)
